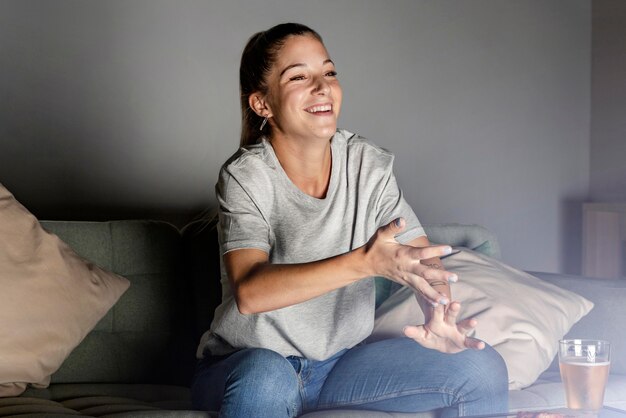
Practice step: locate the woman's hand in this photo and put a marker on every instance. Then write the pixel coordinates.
(404, 263)
(443, 333)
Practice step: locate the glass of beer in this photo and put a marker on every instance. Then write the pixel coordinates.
(584, 366)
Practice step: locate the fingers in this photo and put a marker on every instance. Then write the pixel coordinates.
(431, 272)
(418, 333)
(452, 312)
(403, 263)
(435, 275)
(443, 333)
(464, 327)
(438, 314)
(433, 251)
(393, 228)
(474, 344)
(467, 325)
(425, 290)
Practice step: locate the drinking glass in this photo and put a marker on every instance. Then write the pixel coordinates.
(584, 366)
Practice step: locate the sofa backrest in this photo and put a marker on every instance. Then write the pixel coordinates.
(202, 267)
(147, 336)
(151, 334)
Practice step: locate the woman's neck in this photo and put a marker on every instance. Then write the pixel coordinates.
(307, 164)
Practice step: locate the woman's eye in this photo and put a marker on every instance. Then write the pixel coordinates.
(331, 74)
(296, 78)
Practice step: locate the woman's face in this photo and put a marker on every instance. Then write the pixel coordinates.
(304, 96)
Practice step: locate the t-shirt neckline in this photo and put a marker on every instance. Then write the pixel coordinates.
(293, 189)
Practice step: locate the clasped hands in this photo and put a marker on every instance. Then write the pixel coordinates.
(406, 265)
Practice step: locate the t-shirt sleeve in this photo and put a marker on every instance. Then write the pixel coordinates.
(241, 222)
(391, 205)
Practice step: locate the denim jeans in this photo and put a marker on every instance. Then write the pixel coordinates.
(395, 375)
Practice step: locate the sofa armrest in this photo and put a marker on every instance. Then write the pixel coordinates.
(605, 321)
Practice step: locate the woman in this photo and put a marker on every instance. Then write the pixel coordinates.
(308, 215)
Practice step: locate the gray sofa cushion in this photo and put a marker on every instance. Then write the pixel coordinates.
(547, 393)
(151, 323)
(605, 319)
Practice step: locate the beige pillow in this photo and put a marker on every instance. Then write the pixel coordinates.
(50, 298)
(521, 316)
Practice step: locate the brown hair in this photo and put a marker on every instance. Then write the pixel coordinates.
(257, 60)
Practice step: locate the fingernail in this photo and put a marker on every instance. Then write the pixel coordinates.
(453, 279)
(443, 301)
(447, 250)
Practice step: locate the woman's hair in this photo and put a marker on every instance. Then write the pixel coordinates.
(258, 57)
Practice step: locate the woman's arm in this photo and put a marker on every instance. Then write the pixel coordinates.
(261, 286)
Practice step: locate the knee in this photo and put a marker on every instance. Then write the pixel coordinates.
(491, 369)
(263, 367)
(487, 374)
(264, 380)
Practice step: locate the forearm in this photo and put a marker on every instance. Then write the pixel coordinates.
(261, 286)
(268, 286)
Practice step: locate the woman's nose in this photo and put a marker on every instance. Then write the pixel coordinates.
(321, 86)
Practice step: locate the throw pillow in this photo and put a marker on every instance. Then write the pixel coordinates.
(519, 315)
(50, 299)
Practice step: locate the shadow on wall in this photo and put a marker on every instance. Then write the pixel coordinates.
(48, 204)
(177, 217)
(571, 234)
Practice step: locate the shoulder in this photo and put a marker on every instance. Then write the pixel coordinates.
(249, 161)
(250, 170)
(256, 154)
(361, 149)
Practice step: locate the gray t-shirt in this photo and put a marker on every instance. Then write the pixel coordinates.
(261, 208)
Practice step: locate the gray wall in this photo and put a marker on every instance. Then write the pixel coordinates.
(114, 109)
(608, 102)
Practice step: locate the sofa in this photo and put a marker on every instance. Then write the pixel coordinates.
(139, 359)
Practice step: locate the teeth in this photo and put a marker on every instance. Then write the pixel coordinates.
(323, 108)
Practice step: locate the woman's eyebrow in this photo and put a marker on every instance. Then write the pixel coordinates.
(289, 67)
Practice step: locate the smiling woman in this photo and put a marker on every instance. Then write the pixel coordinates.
(301, 104)
(308, 215)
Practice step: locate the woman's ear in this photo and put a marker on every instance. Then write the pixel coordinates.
(259, 105)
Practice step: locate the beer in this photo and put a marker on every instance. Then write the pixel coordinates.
(584, 368)
(584, 382)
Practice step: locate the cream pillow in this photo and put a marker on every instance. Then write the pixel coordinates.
(519, 315)
(50, 298)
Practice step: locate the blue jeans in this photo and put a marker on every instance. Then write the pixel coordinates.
(395, 375)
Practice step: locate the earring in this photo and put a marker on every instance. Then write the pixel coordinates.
(263, 123)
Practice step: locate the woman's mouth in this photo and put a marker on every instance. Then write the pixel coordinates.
(320, 110)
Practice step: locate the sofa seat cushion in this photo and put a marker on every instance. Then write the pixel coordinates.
(547, 393)
(13, 406)
(103, 400)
